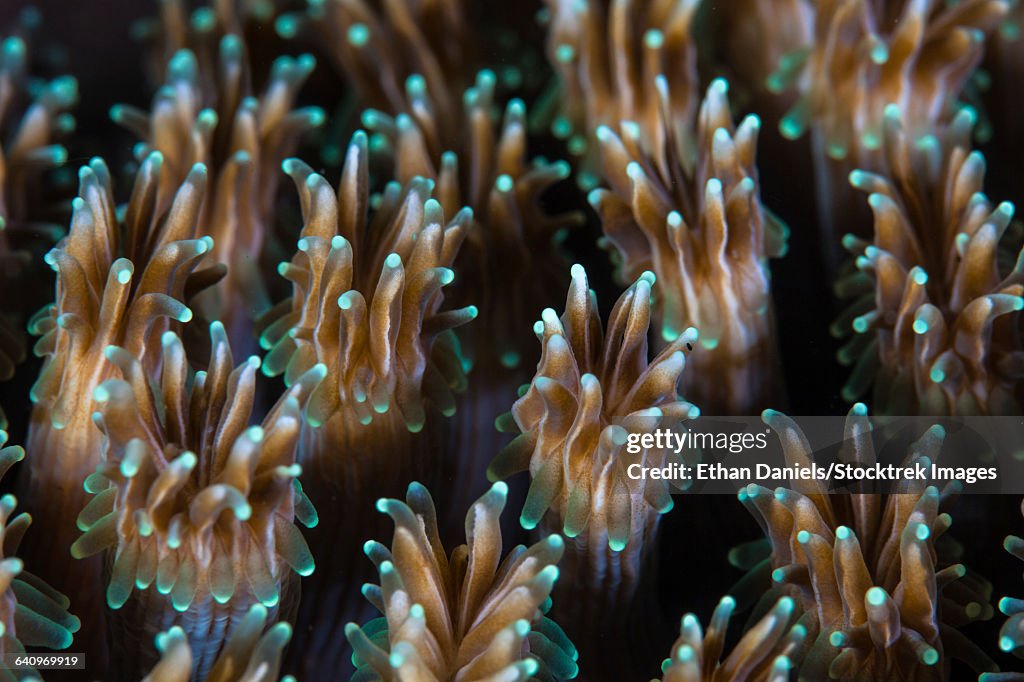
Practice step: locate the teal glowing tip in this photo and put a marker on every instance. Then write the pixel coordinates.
(393, 261)
(937, 375)
(920, 326)
(634, 171)
(504, 183)
(860, 409)
(565, 53)
(803, 537)
(879, 53)
(382, 505)
(346, 300)
(929, 656)
(208, 118)
(843, 533)
(287, 26)
(522, 628)
(876, 596)
(1006, 644)
(654, 39)
(837, 639)
(416, 611)
(922, 532)
(415, 85)
(14, 48)
(358, 35)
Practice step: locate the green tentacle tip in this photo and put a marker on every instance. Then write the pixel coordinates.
(876, 596)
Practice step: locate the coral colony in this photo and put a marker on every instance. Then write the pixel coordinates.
(340, 339)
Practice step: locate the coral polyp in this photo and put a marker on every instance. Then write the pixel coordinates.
(866, 55)
(103, 298)
(378, 46)
(209, 114)
(368, 289)
(871, 567)
(194, 508)
(609, 57)
(693, 216)
(766, 652)
(30, 125)
(469, 615)
(934, 317)
(1011, 634)
(32, 614)
(591, 387)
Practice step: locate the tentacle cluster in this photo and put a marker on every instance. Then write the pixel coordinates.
(694, 217)
(368, 291)
(934, 313)
(199, 26)
(207, 113)
(1011, 635)
(253, 653)
(510, 262)
(588, 384)
(367, 298)
(123, 277)
(760, 39)
(100, 300)
(614, 61)
(472, 615)
(378, 46)
(29, 126)
(864, 55)
(767, 652)
(32, 613)
(871, 567)
(192, 500)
